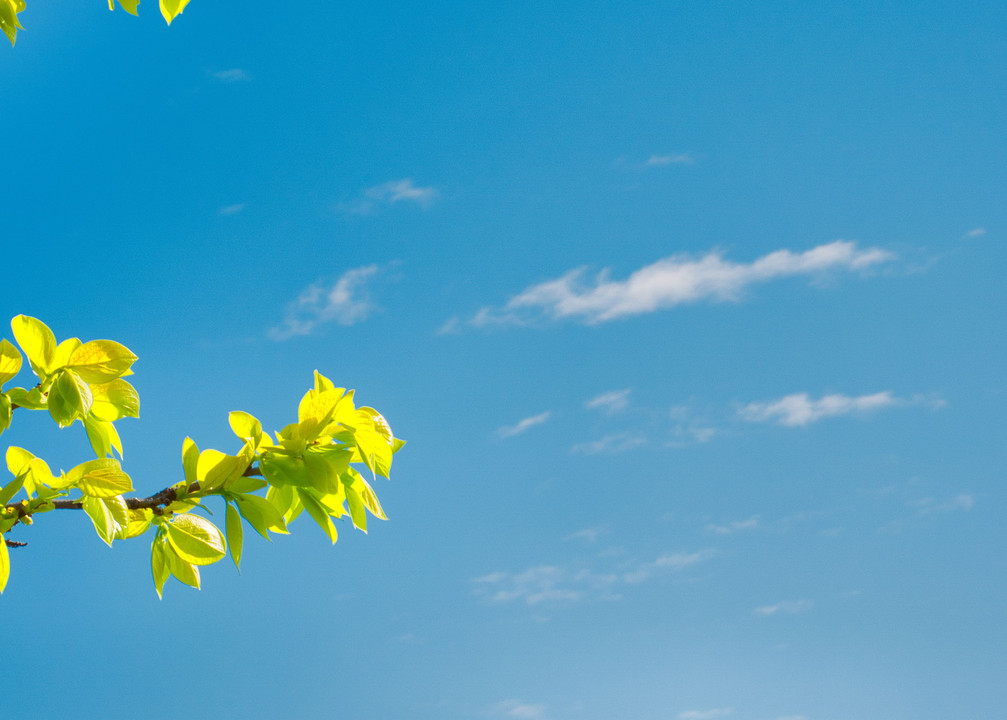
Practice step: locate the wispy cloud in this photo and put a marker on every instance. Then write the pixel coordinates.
(587, 534)
(799, 409)
(787, 607)
(669, 282)
(553, 583)
(519, 710)
(610, 402)
(610, 444)
(232, 209)
(705, 714)
(232, 76)
(675, 159)
(390, 193)
(928, 506)
(976, 232)
(344, 302)
(524, 425)
(733, 527)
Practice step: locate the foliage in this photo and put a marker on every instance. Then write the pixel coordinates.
(308, 467)
(10, 24)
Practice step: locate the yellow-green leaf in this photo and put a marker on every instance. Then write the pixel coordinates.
(61, 356)
(8, 18)
(69, 398)
(170, 9)
(184, 571)
(159, 565)
(127, 5)
(261, 514)
(99, 478)
(318, 513)
(138, 521)
(114, 400)
(4, 564)
(232, 526)
(101, 361)
(10, 361)
(195, 539)
(34, 336)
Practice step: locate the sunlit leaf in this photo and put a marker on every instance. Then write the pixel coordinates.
(69, 398)
(103, 436)
(261, 514)
(234, 532)
(4, 564)
(10, 361)
(101, 361)
(11, 489)
(34, 336)
(115, 399)
(318, 513)
(138, 522)
(99, 478)
(184, 571)
(8, 18)
(61, 356)
(170, 9)
(195, 539)
(127, 5)
(158, 564)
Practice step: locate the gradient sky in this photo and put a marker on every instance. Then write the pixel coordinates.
(691, 314)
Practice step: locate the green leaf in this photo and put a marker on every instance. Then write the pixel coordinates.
(101, 361)
(4, 564)
(127, 5)
(103, 436)
(158, 564)
(138, 522)
(6, 412)
(245, 426)
(114, 400)
(69, 398)
(61, 356)
(170, 9)
(214, 469)
(184, 571)
(261, 514)
(190, 459)
(109, 515)
(99, 478)
(367, 495)
(318, 513)
(234, 532)
(282, 469)
(34, 336)
(10, 361)
(8, 18)
(195, 539)
(246, 484)
(356, 506)
(28, 399)
(11, 489)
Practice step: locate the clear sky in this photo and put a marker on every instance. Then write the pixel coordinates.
(691, 313)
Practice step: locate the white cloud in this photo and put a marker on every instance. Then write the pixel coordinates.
(232, 76)
(523, 425)
(789, 607)
(662, 160)
(519, 710)
(610, 402)
(552, 583)
(976, 232)
(669, 282)
(799, 409)
(587, 534)
(672, 561)
(705, 714)
(344, 302)
(390, 193)
(610, 444)
(927, 506)
(733, 527)
(232, 209)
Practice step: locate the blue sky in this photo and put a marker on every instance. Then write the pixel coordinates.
(691, 315)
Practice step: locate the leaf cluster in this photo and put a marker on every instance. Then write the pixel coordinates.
(10, 23)
(308, 466)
